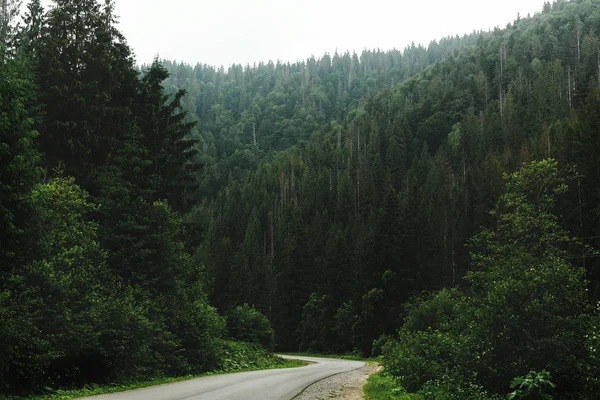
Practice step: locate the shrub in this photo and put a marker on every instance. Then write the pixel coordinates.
(237, 355)
(345, 324)
(420, 357)
(380, 343)
(246, 324)
(533, 386)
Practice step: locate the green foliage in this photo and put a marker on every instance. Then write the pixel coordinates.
(382, 386)
(423, 356)
(246, 324)
(54, 305)
(19, 170)
(248, 113)
(532, 386)
(86, 86)
(593, 374)
(380, 343)
(106, 291)
(376, 205)
(315, 322)
(333, 191)
(257, 359)
(345, 325)
(525, 218)
(525, 286)
(448, 389)
(236, 356)
(526, 307)
(8, 15)
(170, 149)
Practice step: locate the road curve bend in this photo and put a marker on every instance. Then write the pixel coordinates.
(274, 384)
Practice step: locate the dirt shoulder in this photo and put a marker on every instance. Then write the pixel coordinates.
(345, 386)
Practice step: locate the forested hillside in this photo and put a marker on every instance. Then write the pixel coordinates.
(95, 163)
(438, 206)
(334, 235)
(245, 114)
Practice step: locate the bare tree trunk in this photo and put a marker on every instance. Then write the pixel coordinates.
(272, 241)
(501, 63)
(264, 243)
(358, 188)
(501, 102)
(578, 28)
(358, 171)
(569, 87)
(486, 94)
(581, 218)
(465, 181)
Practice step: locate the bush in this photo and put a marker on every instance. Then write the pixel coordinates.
(532, 386)
(593, 374)
(238, 355)
(382, 386)
(246, 324)
(380, 343)
(527, 308)
(317, 330)
(420, 357)
(449, 389)
(345, 325)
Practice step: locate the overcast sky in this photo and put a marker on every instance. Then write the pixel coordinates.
(222, 32)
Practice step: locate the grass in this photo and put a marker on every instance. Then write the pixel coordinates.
(382, 386)
(349, 356)
(92, 390)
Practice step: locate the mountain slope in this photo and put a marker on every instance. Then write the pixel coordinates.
(336, 233)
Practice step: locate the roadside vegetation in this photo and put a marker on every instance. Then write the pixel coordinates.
(239, 357)
(437, 207)
(344, 356)
(382, 386)
(521, 312)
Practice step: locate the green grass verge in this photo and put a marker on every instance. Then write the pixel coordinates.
(349, 356)
(93, 390)
(382, 386)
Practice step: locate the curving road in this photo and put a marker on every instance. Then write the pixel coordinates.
(274, 384)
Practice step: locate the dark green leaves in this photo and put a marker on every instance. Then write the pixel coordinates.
(532, 386)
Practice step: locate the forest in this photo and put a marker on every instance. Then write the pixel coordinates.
(437, 207)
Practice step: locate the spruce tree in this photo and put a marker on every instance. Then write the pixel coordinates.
(19, 170)
(167, 136)
(87, 83)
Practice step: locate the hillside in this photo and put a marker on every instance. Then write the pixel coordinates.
(246, 114)
(333, 236)
(436, 206)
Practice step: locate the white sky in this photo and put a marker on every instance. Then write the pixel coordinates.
(222, 32)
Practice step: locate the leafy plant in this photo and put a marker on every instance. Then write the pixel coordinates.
(248, 325)
(534, 385)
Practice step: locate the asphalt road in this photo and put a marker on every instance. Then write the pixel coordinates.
(274, 384)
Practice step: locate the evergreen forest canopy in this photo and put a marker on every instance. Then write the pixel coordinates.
(438, 206)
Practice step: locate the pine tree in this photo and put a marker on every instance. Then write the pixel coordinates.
(87, 83)
(167, 136)
(9, 10)
(30, 33)
(19, 170)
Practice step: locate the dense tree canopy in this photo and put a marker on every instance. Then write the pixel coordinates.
(344, 227)
(95, 284)
(438, 204)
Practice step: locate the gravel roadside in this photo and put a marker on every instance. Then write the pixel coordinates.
(344, 386)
